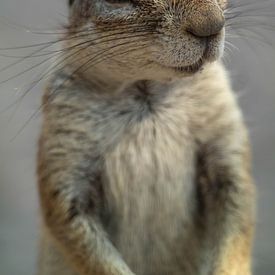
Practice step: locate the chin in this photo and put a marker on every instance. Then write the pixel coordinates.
(175, 72)
(193, 61)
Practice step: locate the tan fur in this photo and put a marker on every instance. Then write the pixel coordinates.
(144, 169)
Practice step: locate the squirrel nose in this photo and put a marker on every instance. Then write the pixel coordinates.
(206, 21)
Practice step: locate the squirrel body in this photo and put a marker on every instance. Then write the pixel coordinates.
(145, 176)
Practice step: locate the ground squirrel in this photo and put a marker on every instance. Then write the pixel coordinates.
(144, 162)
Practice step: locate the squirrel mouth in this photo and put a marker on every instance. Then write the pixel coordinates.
(196, 66)
(191, 68)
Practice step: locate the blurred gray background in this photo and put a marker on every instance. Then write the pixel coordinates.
(252, 68)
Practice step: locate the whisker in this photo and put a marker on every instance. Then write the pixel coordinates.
(247, 20)
(33, 54)
(232, 45)
(27, 70)
(88, 31)
(53, 92)
(90, 42)
(66, 58)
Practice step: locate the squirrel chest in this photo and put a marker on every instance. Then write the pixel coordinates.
(149, 187)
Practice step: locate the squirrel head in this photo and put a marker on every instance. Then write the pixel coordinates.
(148, 39)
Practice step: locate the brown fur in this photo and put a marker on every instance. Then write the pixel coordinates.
(144, 162)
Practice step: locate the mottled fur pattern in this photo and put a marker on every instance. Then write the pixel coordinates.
(144, 162)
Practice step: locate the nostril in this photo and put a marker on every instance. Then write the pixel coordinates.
(206, 24)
